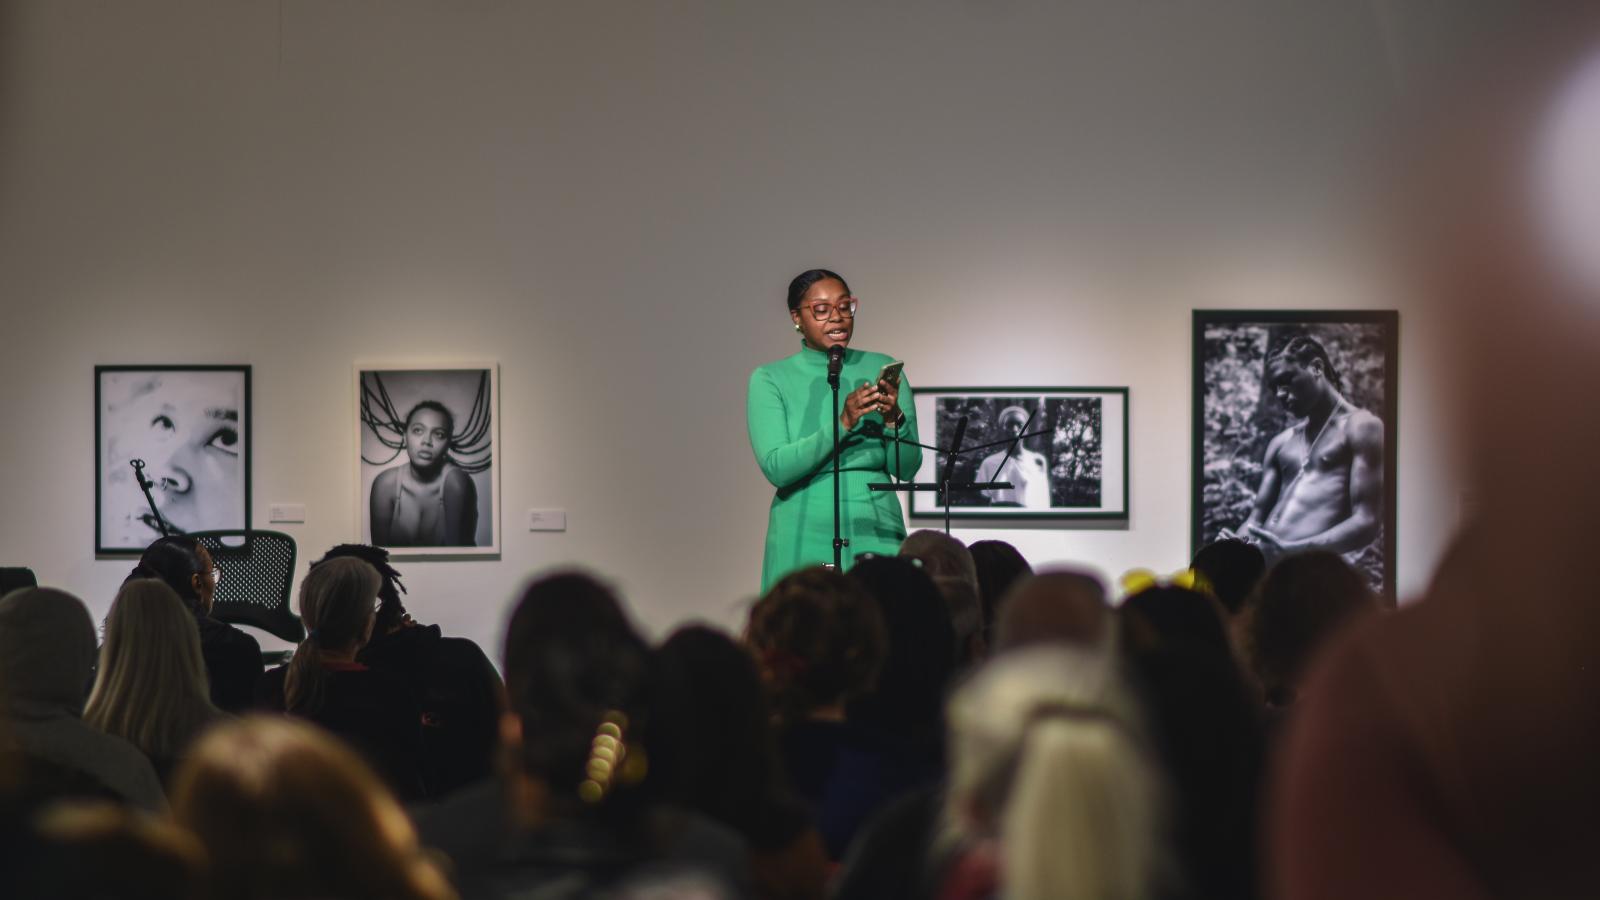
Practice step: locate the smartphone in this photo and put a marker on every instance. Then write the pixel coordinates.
(891, 372)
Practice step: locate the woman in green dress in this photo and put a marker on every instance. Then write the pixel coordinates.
(790, 413)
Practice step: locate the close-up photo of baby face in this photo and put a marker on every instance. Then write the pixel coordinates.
(188, 430)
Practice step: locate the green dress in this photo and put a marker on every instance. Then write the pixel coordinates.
(790, 413)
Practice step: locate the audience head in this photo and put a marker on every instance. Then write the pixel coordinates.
(578, 678)
(818, 639)
(1165, 616)
(966, 618)
(46, 650)
(1205, 724)
(150, 688)
(1054, 607)
(285, 810)
(941, 555)
(908, 699)
(109, 852)
(1230, 569)
(185, 565)
(1048, 755)
(1300, 603)
(724, 760)
(337, 600)
(998, 565)
(15, 578)
(391, 612)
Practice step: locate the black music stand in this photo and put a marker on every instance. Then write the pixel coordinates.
(944, 485)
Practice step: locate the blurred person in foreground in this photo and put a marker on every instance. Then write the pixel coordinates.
(1054, 792)
(46, 656)
(1448, 750)
(576, 811)
(723, 761)
(285, 811)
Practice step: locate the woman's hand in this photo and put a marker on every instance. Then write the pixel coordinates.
(859, 402)
(889, 401)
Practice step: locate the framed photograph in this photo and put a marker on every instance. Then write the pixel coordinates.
(1294, 433)
(189, 428)
(428, 467)
(1064, 451)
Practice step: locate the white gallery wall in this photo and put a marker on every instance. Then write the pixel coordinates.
(608, 198)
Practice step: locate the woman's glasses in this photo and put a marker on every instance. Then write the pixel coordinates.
(846, 308)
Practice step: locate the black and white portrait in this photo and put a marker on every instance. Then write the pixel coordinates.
(1063, 451)
(189, 426)
(1295, 433)
(427, 472)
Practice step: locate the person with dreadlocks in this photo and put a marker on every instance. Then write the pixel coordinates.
(1322, 477)
(429, 501)
(456, 686)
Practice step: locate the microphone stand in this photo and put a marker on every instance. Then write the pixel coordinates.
(145, 485)
(946, 483)
(839, 541)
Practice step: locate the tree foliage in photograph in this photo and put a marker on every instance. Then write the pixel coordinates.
(1071, 442)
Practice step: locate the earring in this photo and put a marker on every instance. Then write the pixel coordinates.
(797, 326)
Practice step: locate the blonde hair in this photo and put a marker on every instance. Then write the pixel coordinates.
(1048, 754)
(337, 605)
(151, 687)
(285, 810)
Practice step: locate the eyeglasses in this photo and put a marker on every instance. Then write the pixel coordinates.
(216, 575)
(846, 308)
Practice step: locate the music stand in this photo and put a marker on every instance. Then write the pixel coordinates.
(944, 485)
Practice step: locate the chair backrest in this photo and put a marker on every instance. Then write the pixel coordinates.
(16, 578)
(257, 572)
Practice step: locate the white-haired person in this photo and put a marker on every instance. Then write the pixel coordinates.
(1054, 791)
(150, 688)
(375, 711)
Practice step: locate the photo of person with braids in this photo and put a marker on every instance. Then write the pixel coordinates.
(1296, 434)
(427, 441)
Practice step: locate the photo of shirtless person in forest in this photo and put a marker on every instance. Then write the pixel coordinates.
(1322, 478)
(1294, 433)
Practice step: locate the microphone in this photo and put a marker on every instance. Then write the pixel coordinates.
(835, 359)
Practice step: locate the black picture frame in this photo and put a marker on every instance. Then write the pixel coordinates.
(178, 419)
(1236, 415)
(385, 392)
(1085, 454)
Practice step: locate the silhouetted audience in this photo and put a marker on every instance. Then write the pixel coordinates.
(286, 811)
(232, 658)
(105, 851)
(1301, 603)
(150, 687)
(1206, 725)
(998, 566)
(1229, 571)
(1059, 606)
(893, 740)
(373, 710)
(724, 761)
(46, 656)
(818, 639)
(574, 813)
(940, 555)
(455, 685)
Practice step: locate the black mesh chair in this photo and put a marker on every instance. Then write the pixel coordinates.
(16, 578)
(257, 572)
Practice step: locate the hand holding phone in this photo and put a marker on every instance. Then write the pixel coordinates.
(890, 373)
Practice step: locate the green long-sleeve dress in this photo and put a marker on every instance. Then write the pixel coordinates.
(790, 414)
